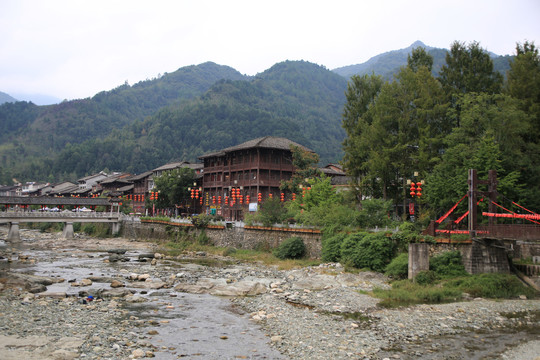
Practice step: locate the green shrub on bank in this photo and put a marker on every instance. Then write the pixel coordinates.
(365, 250)
(331, 247)
(398, 267)
(292, 248)
(447, 264)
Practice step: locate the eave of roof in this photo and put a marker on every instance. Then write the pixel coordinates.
(268, 142)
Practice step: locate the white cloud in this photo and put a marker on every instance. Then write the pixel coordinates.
(75, 48)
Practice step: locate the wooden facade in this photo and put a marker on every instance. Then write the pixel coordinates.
(249, 169)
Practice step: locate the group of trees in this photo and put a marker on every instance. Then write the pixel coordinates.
(467, 117)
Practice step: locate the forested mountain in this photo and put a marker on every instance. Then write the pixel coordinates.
(389, 63)
(4, 98)
(297, 100)
(32, 136)
(184, 114)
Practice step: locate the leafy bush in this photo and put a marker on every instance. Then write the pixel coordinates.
(292, 248)
(403, 238)
(364, 250)
(331, 247)
(272, 212)
(447, 264)
(348, 248)
(375, 213)
(201, 221)
(89, 229)
(398, 267)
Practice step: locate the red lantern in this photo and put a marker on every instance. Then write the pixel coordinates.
(418, 189)
(282, 197)
(192, 193)
(293, 196)
(226, 200)
(270, 195)
(247, 199)
(413, 189)
(240, 199)
(259, 197)
(213, 199)
(219, 199)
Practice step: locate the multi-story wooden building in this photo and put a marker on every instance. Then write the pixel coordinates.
(236, 177)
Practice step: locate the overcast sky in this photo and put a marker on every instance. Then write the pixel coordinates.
(74, 49)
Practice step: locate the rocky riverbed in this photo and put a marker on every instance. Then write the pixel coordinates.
(199, 306)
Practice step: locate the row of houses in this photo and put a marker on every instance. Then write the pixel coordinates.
(228, 182)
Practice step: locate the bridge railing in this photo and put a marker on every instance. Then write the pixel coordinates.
(66, 214)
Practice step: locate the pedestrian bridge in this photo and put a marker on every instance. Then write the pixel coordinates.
(14, 218)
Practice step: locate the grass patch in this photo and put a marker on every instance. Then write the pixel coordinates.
(406, 292)
(492, 286)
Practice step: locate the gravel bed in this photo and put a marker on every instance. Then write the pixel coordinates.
(66, 329)
(312, 313)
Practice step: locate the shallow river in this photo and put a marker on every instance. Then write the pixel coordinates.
(187, 325)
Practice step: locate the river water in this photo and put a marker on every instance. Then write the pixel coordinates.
(186, 325)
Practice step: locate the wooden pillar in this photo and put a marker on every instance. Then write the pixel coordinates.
(473, 179)
(492, 190)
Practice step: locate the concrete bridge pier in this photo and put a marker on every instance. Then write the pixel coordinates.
(13, 232)
(68, 231)
(418, 258)
(115, 228)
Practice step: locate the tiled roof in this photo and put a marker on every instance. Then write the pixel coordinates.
(268, 142)
(176, 165)
(140, 176)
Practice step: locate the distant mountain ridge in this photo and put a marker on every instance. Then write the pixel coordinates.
(4, 98)
(182, 115)
(387, 64)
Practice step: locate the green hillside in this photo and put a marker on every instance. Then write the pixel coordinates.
(33, 136)
(297, 100)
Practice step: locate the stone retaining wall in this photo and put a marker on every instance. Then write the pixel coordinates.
(476, 257)
(245, 238)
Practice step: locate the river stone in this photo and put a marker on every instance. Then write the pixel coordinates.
(138, 353)
(116, 258)
(117, 251)
(143, 277)
(222, 288)
(316, 282)
(37, 288)
(241, 288)
(118, 292)
(143, 257)
(117, 284)
(86, 282)
(149, 284)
